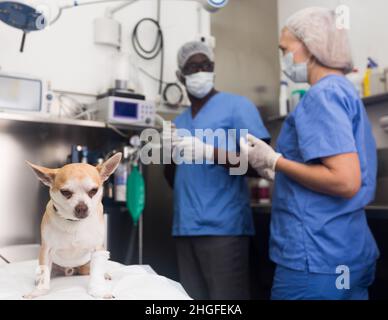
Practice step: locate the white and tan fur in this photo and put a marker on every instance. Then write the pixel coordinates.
(73, 228)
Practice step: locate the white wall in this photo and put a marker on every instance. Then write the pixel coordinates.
(247, 51)
(66, 55)
(368, 29)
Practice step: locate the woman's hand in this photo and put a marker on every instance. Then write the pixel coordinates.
(193, 150)
(261, 156)
(338, 175)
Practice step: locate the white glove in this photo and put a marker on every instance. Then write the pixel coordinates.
(267, 174)
(261, 156)
(193, 150)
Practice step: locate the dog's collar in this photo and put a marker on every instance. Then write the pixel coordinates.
(56, 210)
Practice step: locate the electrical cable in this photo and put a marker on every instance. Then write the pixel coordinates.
(86, 113)
(119, 132)
(59, 14)
(147, 54)
(156, 49)
(72, 107)
(149, 75)
(168, 85)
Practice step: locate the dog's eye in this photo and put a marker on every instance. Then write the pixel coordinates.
(66, 193)
(92, 192)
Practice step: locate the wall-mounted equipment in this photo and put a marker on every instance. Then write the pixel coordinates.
(21, 94)
(107, 31)
(173, 95)
(125, 111)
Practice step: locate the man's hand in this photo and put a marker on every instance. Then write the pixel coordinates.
(193, 150)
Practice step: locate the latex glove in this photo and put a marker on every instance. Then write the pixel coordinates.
(261, 156)
(193, 150)
(268, 174)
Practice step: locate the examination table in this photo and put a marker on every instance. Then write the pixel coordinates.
(128, 283)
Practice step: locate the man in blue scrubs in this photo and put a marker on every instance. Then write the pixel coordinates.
(212, 215)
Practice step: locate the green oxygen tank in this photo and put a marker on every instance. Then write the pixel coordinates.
(135, 194)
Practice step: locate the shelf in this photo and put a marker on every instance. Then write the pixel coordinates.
(48, 119)
(369, 101)
(44, 118)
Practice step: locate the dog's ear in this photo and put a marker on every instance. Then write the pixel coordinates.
(109, 166)
(45, 175)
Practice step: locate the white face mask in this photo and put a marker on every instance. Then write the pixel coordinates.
(297, 72)
(200, 84)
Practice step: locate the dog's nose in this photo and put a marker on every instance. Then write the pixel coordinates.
(81, 210)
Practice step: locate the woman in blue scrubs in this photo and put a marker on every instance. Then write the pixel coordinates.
(325, 164)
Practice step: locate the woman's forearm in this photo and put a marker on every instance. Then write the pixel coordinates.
(319, 178)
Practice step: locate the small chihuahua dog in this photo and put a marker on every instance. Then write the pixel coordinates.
(73, 228)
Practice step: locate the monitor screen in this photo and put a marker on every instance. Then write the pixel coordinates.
(20, 94)
(125, 109)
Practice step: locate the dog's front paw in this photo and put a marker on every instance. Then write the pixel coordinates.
(35, 294)
(101, 294)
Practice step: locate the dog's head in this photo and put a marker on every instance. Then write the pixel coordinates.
(76, 189)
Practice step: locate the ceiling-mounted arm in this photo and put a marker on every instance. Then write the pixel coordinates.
(25, 15)
(205, 4)
(66, 4)
(111, 11)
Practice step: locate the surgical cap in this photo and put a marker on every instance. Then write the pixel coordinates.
(191, 48)
(317, 29)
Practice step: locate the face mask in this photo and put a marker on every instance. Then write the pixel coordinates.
(200, 84)
(297, 72)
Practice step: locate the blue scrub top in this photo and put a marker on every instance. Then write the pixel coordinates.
(310, 230)
(208, 201)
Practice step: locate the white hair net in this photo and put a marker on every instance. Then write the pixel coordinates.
(191, 48)
(317, 29)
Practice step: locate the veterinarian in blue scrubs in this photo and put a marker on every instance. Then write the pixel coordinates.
(212, 214)
(325, 165)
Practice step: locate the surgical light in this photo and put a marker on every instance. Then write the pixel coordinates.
(27, 15)
(21, 15)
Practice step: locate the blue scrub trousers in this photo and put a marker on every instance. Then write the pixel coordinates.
(291, 284)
